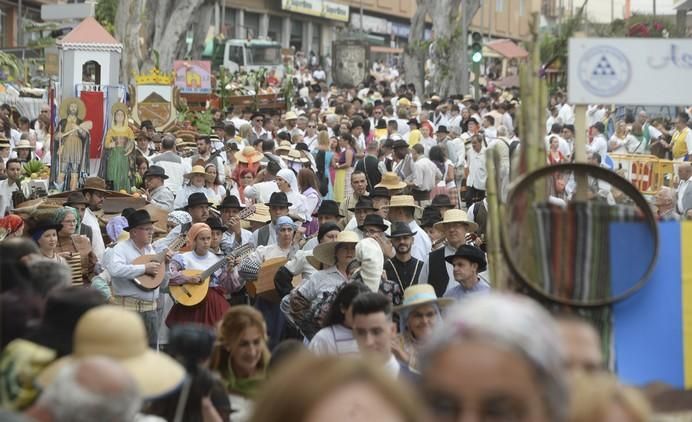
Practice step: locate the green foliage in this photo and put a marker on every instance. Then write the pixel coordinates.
(105, 14)
(9, 65)
(203, 121)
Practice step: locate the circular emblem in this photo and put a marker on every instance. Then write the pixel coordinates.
(604, 71)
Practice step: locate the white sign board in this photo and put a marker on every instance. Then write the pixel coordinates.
(630, 71)
(67, 11)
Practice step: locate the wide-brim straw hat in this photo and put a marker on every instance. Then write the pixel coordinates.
(261, 214)
(295, 156)
(390, 180)
(117, 333)
(199, 170)
(284, 147)
(402, 201)
(186, 135)
(23, 144)
(421, 294)
(248, 155)
(325, 252)
(456, 216)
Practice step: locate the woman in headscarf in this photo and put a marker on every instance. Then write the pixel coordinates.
(74, 247)
(212, 308)
(287, 182)
(419, 313)
(115, 229)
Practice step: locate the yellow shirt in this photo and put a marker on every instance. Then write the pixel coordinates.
(680, 143)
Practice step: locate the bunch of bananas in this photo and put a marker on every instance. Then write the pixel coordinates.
(35, 170)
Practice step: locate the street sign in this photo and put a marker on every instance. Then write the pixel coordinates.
(67, 11)
(629, 71)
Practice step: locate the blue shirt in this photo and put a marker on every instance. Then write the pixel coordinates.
(459, 292)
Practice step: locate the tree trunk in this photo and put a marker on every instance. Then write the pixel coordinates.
(202, 21)
(451, 19)
(415, 54)
(127, 27)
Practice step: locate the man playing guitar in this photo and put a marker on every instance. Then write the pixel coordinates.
(118, 261)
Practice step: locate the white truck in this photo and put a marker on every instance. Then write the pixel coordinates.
(252, 55)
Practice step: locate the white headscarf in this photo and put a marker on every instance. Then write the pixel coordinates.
(290, 177)
(371, 259)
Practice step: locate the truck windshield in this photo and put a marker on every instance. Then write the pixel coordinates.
(264, 55)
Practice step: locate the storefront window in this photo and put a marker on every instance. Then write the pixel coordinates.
(274, 31)
(252, 24)
(316, 38)
(297, 34)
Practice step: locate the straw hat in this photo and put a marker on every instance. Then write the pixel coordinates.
(119, 334)
(325, 252)
(456, 216)
(199, 170)
(290, 115)
(4, 142)
(23, 144)
(296, 156)
(186, 135)
(248, 155)
(402, 201)
(421, 294)
(261, 214)
(181, 143)
(284, 146)
(390, 180)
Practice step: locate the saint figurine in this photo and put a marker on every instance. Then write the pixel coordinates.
(71, 151)
(118, 161)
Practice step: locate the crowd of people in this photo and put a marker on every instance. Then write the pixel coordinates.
(328, 261)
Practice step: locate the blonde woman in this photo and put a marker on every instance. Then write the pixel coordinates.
(241, 354)
(323, 159)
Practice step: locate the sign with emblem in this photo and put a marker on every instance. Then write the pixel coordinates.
(154, 97)
(629, 71)
(193, 76)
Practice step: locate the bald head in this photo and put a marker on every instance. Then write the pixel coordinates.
(93, 388)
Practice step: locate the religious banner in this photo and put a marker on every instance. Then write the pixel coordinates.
(94, 102)
(193, 76)
(70, 148)
(154, 98)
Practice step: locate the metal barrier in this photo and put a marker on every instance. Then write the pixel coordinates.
(647, 173)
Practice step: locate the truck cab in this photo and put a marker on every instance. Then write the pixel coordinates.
(253, 55)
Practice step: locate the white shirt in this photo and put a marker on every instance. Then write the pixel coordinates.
(6, 195)
(118, 263)
(422, 245)
(594, 113)
(392, 367)
(97, 244)
(333, 340)
(623, 146)
(566, 114)
(599, 145)
(682, 186)
(477, 172)
(187, 190)
(261, 192)
(425, 174)
(563, 146)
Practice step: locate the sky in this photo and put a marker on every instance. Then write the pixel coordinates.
(599, 10)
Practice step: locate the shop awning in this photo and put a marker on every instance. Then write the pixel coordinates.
(386, 50)
(507, 48)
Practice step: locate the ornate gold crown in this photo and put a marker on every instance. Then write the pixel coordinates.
(155, 77)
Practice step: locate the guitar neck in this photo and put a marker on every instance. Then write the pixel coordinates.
(211, 270)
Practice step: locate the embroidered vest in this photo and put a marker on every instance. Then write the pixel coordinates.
(679, 144)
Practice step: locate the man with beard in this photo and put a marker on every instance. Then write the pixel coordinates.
(402, 268)
(204, 153)
(94, 191)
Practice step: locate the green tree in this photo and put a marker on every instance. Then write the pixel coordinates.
(9, 64)
(105, 14)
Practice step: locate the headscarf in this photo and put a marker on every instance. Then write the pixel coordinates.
(371, 259)
(290, 177)
(196, 230)
(115, 227)
(179, 217)
(61, 213)
(10, 224)
(284, 221)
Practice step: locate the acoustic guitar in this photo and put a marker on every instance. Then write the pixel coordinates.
(190, 294)
(148, 282)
